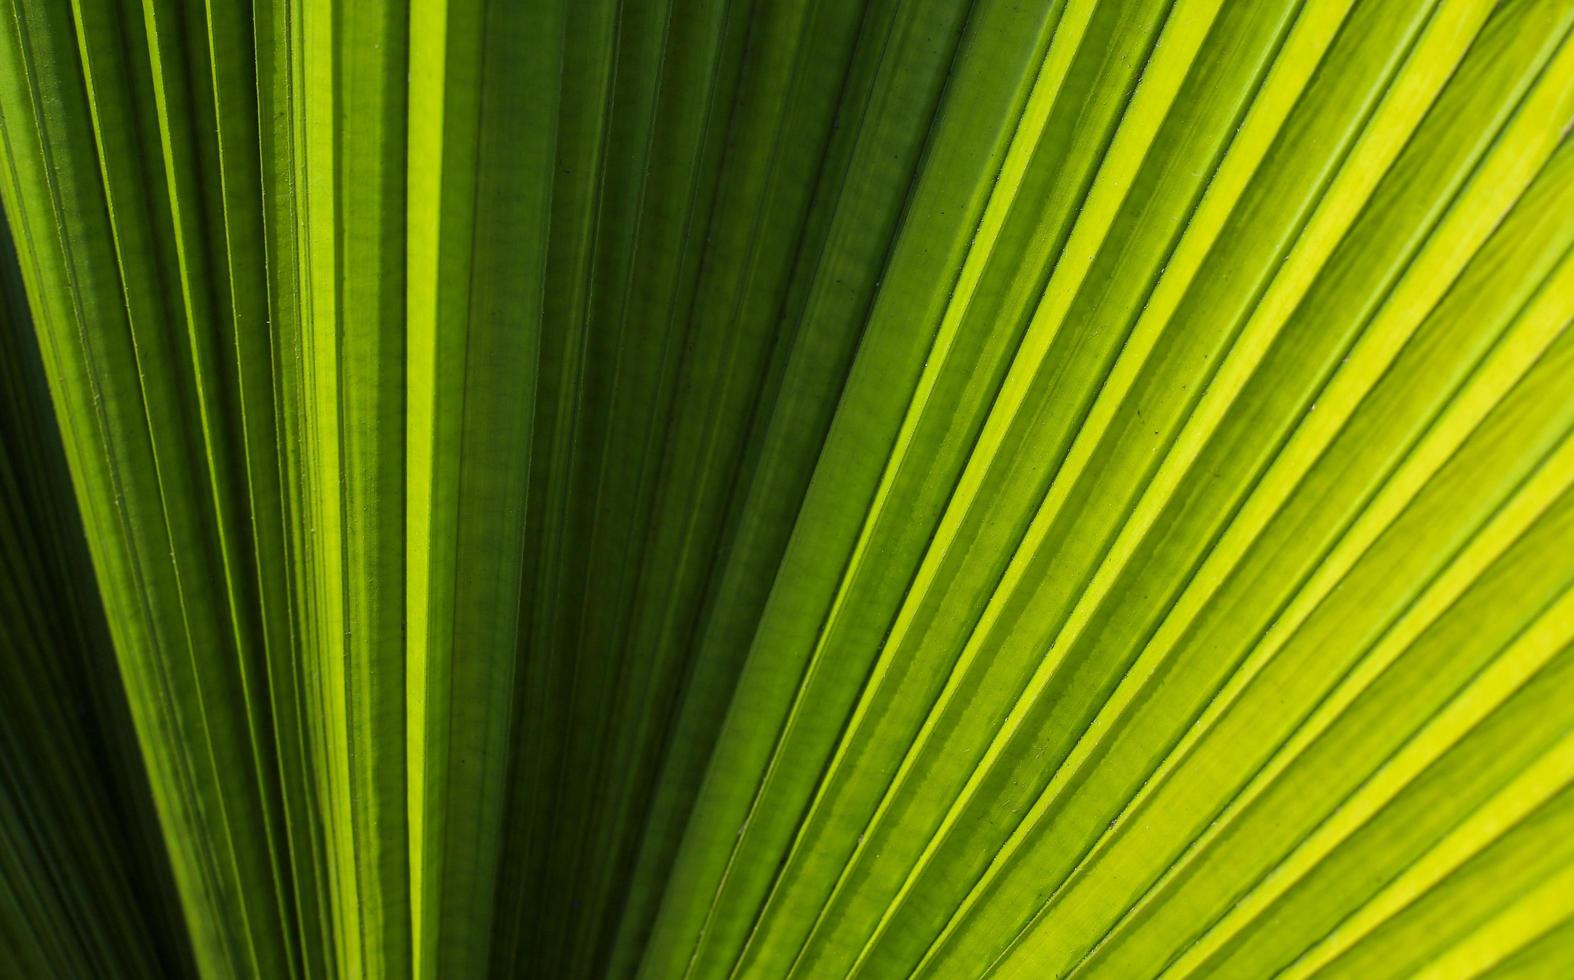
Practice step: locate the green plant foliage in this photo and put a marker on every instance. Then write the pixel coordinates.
(84, 881)
(720, 489)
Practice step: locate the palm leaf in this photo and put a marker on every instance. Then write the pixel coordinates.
(788, 488)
